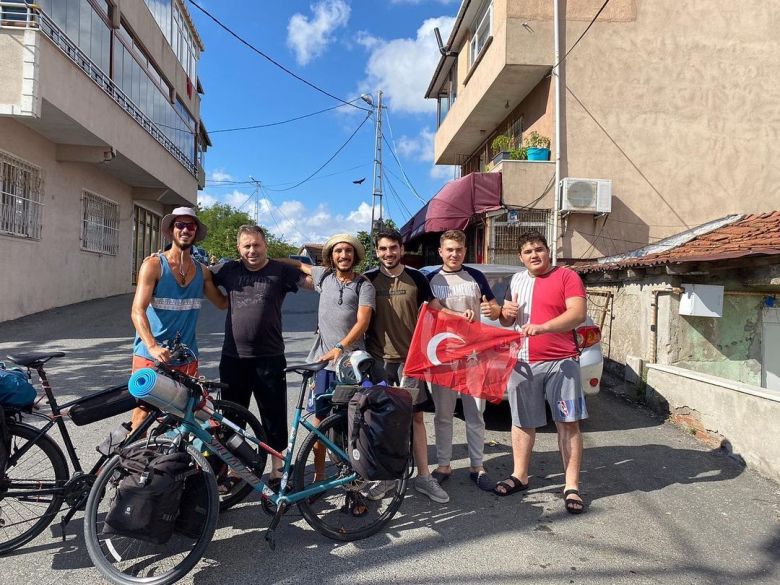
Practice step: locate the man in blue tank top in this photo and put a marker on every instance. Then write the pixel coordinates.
(168, 296)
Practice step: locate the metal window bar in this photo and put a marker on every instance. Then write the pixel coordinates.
(99, 225)
(509, 226)
(20, 198)
(104, 82)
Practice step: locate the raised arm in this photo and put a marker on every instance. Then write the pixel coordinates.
(211, 291)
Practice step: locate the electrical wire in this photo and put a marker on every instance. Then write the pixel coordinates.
(271, 60)
(587, 28)
(323, 165)
(398, 162)
(268, 125)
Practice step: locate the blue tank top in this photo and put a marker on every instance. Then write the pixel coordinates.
(174, 309)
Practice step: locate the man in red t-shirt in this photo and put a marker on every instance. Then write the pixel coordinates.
(545, 303)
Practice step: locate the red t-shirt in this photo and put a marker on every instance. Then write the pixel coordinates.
(542, 298)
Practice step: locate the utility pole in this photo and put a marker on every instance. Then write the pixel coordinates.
(377, 221)
(256, 197)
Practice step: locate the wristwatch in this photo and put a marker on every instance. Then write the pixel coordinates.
(339, 346)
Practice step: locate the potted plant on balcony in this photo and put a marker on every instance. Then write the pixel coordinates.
(538, 146)
(502, 145)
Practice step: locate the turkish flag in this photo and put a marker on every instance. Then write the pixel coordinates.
(470, 358)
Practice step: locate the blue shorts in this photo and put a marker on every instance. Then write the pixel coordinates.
(323, 383)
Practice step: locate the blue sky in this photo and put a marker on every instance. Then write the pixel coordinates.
(347, 48)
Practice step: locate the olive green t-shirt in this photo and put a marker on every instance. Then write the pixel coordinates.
(398, 301)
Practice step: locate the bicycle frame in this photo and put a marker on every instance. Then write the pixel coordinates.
(189, 424)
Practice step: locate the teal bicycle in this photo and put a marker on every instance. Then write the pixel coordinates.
(321, 482)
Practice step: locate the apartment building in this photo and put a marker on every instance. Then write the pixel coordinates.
(100, 136)
(665, 118)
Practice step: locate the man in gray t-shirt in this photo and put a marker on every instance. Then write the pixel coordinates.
(347, 301)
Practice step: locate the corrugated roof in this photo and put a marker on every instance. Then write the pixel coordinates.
(731, 237)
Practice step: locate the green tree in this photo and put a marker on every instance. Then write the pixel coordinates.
(223, 222)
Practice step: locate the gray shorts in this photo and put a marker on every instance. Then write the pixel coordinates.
(392, 373)
(557, 382)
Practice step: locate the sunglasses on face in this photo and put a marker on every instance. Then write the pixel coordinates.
(180, 225)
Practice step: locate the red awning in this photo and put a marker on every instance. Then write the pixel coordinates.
(455, 203)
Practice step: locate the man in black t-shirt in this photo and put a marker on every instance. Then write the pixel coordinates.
(253, 359)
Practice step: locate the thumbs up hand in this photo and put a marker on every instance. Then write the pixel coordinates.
(511, 309)
(487, 308)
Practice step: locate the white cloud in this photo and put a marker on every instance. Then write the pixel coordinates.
(421, 1)
(309, 37)
(418, 148)
(403, 68)
(443, 172)
(220, 175)
(292, 220)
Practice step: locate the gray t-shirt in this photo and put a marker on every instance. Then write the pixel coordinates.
(336, 319)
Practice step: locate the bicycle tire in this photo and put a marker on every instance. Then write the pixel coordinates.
(106, 551)
(332, 513)
(31, 469)
(241, 416)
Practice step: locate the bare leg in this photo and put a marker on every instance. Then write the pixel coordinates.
(523, 440)
(319, 456)
(138, 416)
(570, 445)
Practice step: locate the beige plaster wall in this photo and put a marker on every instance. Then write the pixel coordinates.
(12, 51)
(677, 108)
(54, 271)
(745, 416)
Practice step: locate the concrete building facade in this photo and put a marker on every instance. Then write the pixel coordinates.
(669, 101)
(100, 135)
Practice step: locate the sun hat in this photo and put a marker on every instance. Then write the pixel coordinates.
(167, 223)
(360, 251)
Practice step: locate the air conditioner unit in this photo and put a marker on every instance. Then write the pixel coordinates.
(586, 195)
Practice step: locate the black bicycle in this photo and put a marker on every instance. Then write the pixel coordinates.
(37, 481)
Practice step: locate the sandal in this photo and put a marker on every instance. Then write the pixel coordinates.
(509, 486)
(573, 506)
(440, 476)
(482, 480)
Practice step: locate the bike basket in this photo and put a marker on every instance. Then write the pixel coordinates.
(102, 405)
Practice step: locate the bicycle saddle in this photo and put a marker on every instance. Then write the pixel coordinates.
(34, 360)
(304, 368)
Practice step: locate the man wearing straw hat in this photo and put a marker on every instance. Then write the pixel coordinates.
(168, 296)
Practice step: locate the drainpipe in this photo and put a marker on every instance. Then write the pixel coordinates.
(654, 319)
(556, 76)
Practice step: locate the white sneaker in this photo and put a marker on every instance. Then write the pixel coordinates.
(380, 489)
(425, 484)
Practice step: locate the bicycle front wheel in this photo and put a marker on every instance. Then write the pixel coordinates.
(127, 560)
(26, 509)
(351, 511)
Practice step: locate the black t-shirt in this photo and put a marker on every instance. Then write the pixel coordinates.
(253, 326)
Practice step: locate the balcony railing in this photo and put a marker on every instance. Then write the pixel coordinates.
(17, 14)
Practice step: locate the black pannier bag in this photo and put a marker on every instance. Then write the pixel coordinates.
(193, 507)
(148, 498)
(102, 405)
(379, 431)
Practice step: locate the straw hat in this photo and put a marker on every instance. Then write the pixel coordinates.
(360, 251)
(167, 223)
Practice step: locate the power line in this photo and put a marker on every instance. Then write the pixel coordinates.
(400, 166)
(268, 125)
(334, 155)
(587, 28)
(270, 59)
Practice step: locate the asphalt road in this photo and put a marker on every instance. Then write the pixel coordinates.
(662, 507)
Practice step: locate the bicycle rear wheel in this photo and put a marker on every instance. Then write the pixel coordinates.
(346, 512)
(126, 560)
(24, 511)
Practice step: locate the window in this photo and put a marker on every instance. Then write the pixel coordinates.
(482, 33)
(448, 93)
(20, 198)
(146, 236)
(99, 224)
(507, 228)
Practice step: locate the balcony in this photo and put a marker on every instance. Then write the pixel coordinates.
(527, 183)
(516, 58)
(50, 85)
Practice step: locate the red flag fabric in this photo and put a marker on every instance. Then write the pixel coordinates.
(470, 358)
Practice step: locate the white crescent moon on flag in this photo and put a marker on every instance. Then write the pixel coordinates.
(433, 344)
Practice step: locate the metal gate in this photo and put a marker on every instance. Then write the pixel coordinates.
(507, 228)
